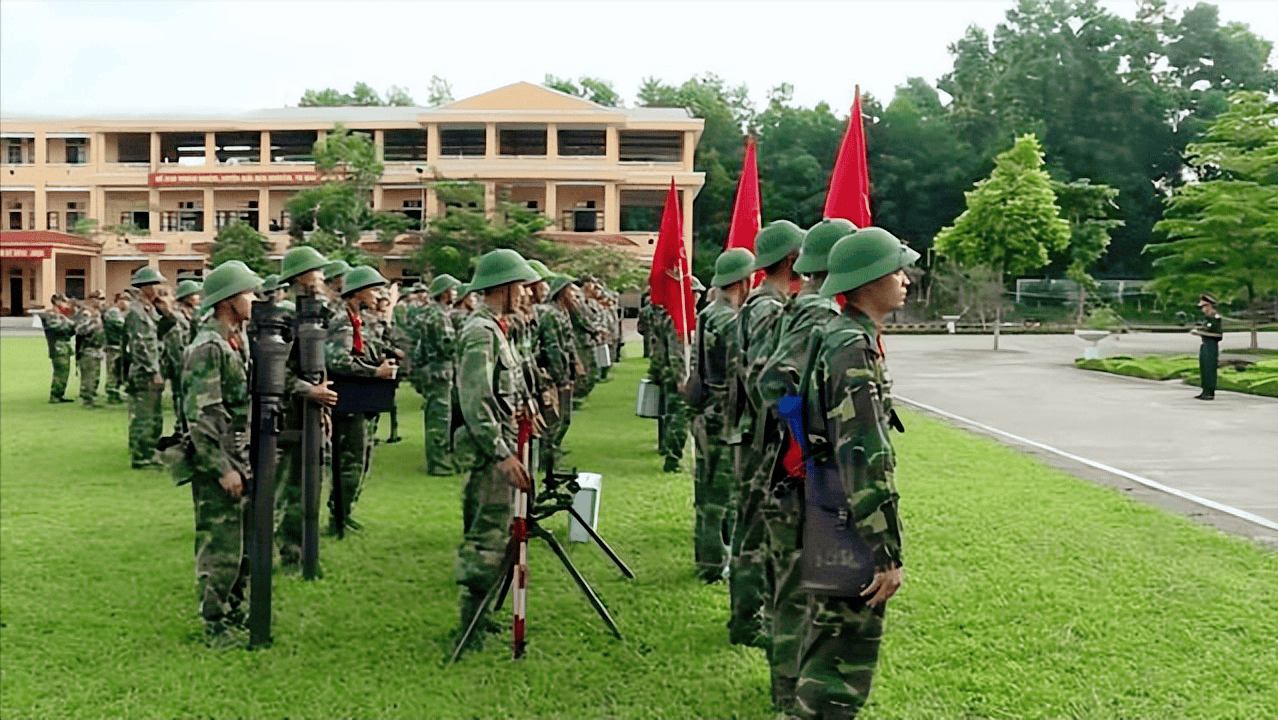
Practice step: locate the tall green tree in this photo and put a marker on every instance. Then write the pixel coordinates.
(594, 89)
(239, 241)
(440, 92)
(1222, 231)
(362, 95)
(453, 242)
(1012, 220)
(1088, 209)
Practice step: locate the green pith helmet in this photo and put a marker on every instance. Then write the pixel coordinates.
(774, 242)
(863, 257)
(146, 275)
(300, 260)
(226, 281)
(557, 284)
(442, 284)
(696, 285)
(271, 283)
(359, 278)
(541, 269)
(187, 288)
(816, 245)
(500, 267)
(336, 269)
(462, 291)
(732, 265)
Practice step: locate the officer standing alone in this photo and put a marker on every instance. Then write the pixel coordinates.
(1211, 330)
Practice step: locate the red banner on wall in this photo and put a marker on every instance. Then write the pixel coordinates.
(170, 179)
(26, 253)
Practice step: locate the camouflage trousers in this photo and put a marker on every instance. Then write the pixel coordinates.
(486, 513)
(221, 551)
(113, 385)
(586, 381)
(350, 462)
(90, 365)
(552, 438)
(674, 424)
(712, 498)
(61, 374)
(787, 605)
(748, 587)
(840, 650)
(437, 414)
(146, 421)
(288, 502)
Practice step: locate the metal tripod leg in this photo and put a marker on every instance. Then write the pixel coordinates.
(602, 545)
(507, 570)
(581, 581)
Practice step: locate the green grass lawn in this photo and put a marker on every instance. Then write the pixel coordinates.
(1259, 378)
(1029, 594)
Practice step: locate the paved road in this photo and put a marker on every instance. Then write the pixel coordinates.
(1225, 451)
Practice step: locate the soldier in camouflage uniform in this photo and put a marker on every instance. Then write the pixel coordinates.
(849, 411)
(349, 352)
(588, 333)
(558, 359)
(435, 355)
(90, 340)
(177, 329)
(803, 318)
(667, 368)
(59, 331)
(488, 383)
(714, 480)
(145, 380)
(748, 428)
(113, 350)
(217, 403)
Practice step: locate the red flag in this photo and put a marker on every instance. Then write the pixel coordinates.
(670, 281)
(747, 208)
(849, 193)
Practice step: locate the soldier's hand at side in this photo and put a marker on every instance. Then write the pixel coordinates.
(157, 380)
(386, 370)
(883, 586)
(515, 473)
(232, 482)
(323, 394)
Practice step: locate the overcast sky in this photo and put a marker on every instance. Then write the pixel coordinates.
(72, 59)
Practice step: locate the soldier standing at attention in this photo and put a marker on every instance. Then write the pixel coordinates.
(777, 246)
(714, 482)
(1211, 330)
(555, 360)
(91, 338)
(849, 407)
(561, 299)
(113, 325)
(144, 359)
(487, 383)
(59, 330)
(177, 330)
(217, 403)
(436, 351)
(349, 352)
(803, 318)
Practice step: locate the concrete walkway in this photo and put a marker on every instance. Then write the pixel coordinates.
(1225, 451)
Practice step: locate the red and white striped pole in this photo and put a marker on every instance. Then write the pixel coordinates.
(519, 531)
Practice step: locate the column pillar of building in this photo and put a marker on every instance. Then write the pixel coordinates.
(379, 144)
(490, 199)
(97, 146)
(689, 150)
(552, 140)
(379, 195)
(264, 148)
(210, 149)
(155, 152)
(490, 141)
(432, 142)
(97, 273)
(264, 209)
(431, 203)
(97, 206)
(153, 209)
(210, 221)
(685, 200)
(612, 144)
(552, 204)
(41, 210)
(612, 208)
(48, 278)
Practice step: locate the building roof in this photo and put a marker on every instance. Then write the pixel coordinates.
(44, 237)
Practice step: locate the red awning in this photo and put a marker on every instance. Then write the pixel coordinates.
(47, 238)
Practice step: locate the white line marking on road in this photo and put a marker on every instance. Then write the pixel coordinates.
(1242, 514)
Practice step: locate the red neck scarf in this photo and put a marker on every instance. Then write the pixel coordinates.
(357, 343)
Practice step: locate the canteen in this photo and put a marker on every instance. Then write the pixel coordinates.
(602, 358)
(648, 399)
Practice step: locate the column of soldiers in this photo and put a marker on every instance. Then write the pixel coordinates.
(811, 328)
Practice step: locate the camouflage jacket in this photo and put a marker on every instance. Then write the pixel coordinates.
(848, 404)
(175, 339)
(487, 378)
(754, 340)
(216, 400)
(90, 332)
(665, 351)
(802, 319)
(59, 331)
(437, 343)
(143, 352)
(339, 351)
(113, 323)
(556, 348)
(457, 316)
(714, 338)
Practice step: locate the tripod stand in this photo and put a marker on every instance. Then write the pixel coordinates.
(557, 495)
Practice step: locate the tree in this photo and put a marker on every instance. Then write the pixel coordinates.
(1087, 208)
(593, 89)
(1223, 232)
(239, 241)
(454, 241)
(362, 95)
(618, 268)
(440, 93)
(1012, 219)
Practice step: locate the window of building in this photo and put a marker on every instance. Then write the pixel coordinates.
(293, 146)
(133, 147)
(522, 141)
(182, 148)
(73, 217)
(582, 143)
(77, 151)
(641, 210)
(15, 216)
(650, 146)
(52, 218)
(13, 154)
(463, 142)
(74, 283)
(404, 145)
(234, 148)
(187, 218)
(141, 219)
(224, 218)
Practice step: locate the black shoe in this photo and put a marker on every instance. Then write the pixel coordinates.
(393, 440)
(671, 465)
(1205, 397)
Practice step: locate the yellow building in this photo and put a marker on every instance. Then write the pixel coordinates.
(600, 173)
